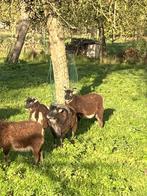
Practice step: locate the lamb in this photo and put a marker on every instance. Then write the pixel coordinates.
(38, 111)
(22, 136)
(89, 105)
(62, 119)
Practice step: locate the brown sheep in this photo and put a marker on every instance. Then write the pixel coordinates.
(89, 105)
(22, 136)
(62, 119)
(38, 111)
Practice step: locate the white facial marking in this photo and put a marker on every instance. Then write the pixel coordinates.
(56, 129)
(52, 120)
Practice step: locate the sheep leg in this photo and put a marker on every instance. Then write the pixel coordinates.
(37, 151)
(6, 152)
(99, 117)
(40, 156)
(74, 128)
(61, 141)
(37, 156)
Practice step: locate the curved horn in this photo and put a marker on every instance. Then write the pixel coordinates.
(63, 107)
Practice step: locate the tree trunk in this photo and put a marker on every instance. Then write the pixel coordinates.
(58, 57)
(22, 30)
(102, 42)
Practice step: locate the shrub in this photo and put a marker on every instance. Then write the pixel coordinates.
(131, 55)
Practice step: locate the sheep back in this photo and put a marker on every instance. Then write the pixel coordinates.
(20, 135)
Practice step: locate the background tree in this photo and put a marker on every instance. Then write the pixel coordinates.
(22, 29)
(57, 50)
(112, 19)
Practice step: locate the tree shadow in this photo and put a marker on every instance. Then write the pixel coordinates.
(22, 75)
(5, 113)
(100, 72)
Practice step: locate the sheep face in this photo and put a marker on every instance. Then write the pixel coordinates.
(29, 103)
(54, 113)
(69, 95)
(62, 119)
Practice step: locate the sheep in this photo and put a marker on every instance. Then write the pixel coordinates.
(22, 136)
(62, 119)
(38, 111)
(89, 105)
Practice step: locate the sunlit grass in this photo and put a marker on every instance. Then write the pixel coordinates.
(107, 161)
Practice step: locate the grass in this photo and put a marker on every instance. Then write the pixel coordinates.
(107, 161)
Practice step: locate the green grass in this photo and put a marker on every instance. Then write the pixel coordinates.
(107, 161)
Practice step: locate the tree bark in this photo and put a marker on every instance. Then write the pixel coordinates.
(58, 57)
(22, 30)
(102, 42)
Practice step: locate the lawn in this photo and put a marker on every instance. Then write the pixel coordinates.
(107, 161)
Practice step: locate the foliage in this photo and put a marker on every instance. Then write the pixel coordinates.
(129, 52)
(123, 18)
(141, 46)
(107, 161)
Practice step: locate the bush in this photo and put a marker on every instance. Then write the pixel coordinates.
(134, 52)
(141, 46)
(131, 55)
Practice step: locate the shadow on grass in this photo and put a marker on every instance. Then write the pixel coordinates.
(107, 114)
(100, 72)
(85, 124)
(5, 113)
(23, 75)
(62, 182)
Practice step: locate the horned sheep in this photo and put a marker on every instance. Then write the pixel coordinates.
(62, 119)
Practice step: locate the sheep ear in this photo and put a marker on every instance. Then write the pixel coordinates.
(74, 91)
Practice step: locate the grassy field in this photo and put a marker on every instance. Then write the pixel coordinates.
(108, 161)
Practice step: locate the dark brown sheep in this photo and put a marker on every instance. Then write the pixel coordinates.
(62, 119)
(22, 136)
(89, 105)
(38, 111)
